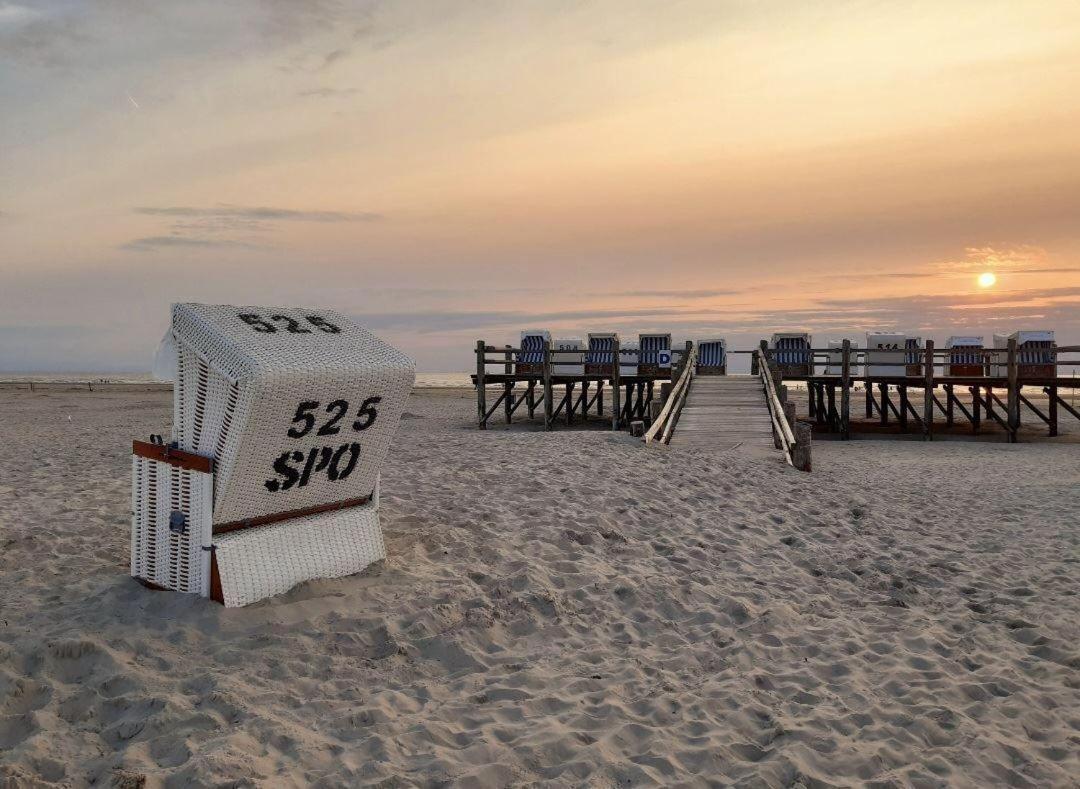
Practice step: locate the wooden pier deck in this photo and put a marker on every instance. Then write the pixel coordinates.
(725, 412)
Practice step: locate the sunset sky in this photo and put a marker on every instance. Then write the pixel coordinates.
(447, 171)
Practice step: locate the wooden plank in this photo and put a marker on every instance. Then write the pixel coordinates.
(174, 457)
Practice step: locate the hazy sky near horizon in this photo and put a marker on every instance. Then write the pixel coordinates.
(453, 170)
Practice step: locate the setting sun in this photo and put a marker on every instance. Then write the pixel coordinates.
(987, 279)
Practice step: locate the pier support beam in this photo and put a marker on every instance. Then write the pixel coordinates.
(928, 393)
(508, 387)
(481, 391)
(1013, 399)
(1053, 392)
(549, 403)
(616, 389)
(976, 409)
(845, 391)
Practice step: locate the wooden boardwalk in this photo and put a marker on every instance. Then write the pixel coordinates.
(725, 412)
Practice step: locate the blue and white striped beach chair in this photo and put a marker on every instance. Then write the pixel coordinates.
(913, 356)
(530, 360)
(791, 352)
(712, 357)
(650, 346)
(965, 357)
(1035, 358)
(600, 356)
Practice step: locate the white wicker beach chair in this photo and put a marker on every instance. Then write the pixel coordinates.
(282, 419)
(568, 355)
(1035, 357)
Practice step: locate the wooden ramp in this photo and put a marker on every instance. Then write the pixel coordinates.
(725, 412)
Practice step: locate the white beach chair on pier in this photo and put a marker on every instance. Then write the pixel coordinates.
(282, 418)
(836, 359)
(629, 358)
(1034, 356)
(570, 357)
(893, 354)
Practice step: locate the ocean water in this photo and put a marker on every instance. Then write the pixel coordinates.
(423, 380)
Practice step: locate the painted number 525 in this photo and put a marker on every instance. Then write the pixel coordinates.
(304, 420)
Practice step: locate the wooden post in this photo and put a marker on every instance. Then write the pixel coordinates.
(845, 391)
(928, 399)
(1013, 401)
(530, 397)
(883, 391)
(600, 397)
(976, 408)
(789, 413)
(903, 407)
(508, 386)
(949, 405)
(481, 392)
(869, 387)
(655, 407)
(569, 402)
(637, 428)
(781, 394)
(1053, 392)
(585, 400)
(616, 388)
(833, 416)
(800, 453)
(549, 406)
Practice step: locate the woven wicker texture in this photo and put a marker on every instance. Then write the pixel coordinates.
(256, 563)
(171, 559)
(297, 406)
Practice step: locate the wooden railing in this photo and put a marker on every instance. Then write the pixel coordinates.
(661, 428)
(784, 434)
(929, 367)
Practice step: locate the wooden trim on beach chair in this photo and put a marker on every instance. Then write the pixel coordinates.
(174, 457)
(277, 517)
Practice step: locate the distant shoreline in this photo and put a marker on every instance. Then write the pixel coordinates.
(148, 386)
(142, 382)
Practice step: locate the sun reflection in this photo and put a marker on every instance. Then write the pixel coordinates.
(987, 279)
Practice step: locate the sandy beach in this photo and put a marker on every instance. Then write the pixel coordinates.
(566, 608)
